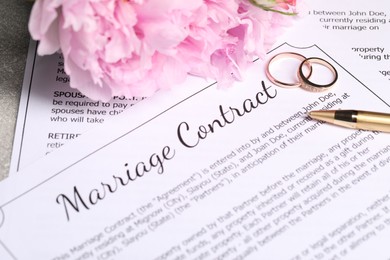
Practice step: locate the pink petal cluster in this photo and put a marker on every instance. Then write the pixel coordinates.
(136, 47)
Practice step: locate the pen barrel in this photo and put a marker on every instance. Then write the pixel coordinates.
(373, 121)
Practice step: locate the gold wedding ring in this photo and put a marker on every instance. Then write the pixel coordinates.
(311, 86)
(286, 55)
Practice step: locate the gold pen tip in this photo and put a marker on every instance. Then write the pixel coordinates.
(317, 113)
(323, 115)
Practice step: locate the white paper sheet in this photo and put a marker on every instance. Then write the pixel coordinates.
(163, 185)
(264, 183)
(46, 120)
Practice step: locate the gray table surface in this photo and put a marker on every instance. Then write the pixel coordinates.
(14, 39)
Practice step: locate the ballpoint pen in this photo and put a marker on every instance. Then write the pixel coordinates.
(354, 119)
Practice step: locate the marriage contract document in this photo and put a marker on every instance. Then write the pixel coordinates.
(203, 173)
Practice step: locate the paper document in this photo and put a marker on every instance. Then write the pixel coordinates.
(200, 173)
(51, 113)
(204, 173)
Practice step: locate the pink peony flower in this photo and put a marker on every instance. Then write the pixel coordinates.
(136, 47)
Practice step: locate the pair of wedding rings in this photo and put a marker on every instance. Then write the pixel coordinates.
(305, 71)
